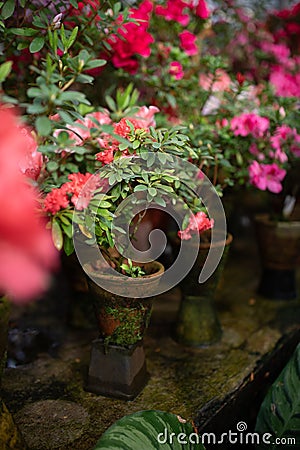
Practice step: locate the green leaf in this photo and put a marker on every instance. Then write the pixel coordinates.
(160, 201)
(152, 191)
(95, 63)
(68, 246)
(279, 412)
(52, 166)
(150, 430)
(8, 9)
(5, 69)
(43, 125)
(24, 31)
(57, 235)
(110, 102)
(36, 108)
(140, 187)
(67, 229)
(37, 44)
(123, 146)
(72, 38)
(22, 45)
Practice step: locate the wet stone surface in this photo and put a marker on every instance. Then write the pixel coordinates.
(47, 399)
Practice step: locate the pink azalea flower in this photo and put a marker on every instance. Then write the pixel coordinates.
(81, 130)
(106, 156)
(56, 200)
(132, 39)
(295, 146)
(266, 176)
(215, 83)
(176, 70)
(59, 198)
(202, 10)
(187, 42)
(144, 118)
(26, 248)
(280, 135)
(75, 186)
(174, 10)
(249, 123)
(280, 51)
(286, 84)
(283, 134)
(32, 161)
(197, 224)
(253, 149)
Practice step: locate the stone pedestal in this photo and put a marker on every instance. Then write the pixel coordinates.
(116, 371)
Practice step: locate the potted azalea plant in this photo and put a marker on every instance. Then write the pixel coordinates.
(267, 142)
(140, 171)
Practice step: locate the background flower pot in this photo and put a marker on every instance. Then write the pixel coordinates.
(117, 365)
(197, 321)
(279, 249)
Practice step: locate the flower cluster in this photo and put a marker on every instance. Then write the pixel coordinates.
(267, 152)
(198, 223)
(68, 194)
(132, 39)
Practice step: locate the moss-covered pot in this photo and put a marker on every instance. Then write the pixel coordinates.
(279, 249)
(197, 323)
(123, 320)
(117, 364)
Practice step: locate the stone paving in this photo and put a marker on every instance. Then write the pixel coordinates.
(46, 396)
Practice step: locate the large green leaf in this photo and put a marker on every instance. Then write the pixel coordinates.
(150, 430)
(279, 413)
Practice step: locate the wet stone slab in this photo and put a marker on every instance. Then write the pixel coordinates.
(215, 386)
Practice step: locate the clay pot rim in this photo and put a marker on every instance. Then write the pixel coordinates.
(207, 245)
(265, 219)
(159, 272)
(218, 243)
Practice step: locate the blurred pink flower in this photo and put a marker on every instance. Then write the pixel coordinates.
(285, 83)
(32, 161)
(266, 176)
(26, 248)
(176, 70)
(280, 51)
(174, 10)
(202, 10)
(253, 149)
(197, 223)
(187, 42)
(81, 130)
(218, 82)
(144, 117)
(249, 123)
(132, 39)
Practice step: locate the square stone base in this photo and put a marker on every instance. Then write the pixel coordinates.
(116, 371)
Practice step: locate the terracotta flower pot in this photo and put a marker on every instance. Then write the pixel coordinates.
(117, 366)
(279, 249)
(197, 323)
